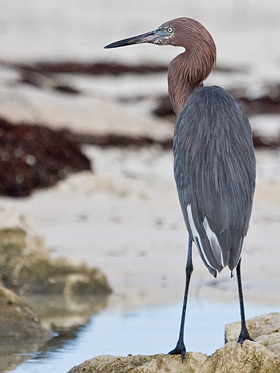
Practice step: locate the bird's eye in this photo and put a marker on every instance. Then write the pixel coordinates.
(170, 30)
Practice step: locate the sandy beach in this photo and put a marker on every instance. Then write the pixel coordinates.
(125, 217)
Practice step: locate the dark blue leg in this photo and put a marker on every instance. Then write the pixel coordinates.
(244, 334)
(180, 348)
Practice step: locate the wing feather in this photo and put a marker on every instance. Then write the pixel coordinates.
(214, 169)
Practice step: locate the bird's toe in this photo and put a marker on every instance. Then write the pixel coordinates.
(180, 349)
(243, 336)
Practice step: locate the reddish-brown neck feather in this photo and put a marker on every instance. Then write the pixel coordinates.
(189, 69)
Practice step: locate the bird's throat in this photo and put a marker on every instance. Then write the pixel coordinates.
(179, 96)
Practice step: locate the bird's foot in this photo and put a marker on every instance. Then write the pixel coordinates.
(180, 349)
(243, 336)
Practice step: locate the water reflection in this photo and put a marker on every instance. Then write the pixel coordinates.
(13, 352)
(142, 331)
(66, 317)
(57, 312)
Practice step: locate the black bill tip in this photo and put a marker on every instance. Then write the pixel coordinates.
(112, 45)
(122, 43)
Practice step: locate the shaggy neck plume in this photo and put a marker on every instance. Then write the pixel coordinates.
(189, 69)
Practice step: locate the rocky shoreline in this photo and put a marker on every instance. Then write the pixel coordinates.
(261, 356)
(28, 272)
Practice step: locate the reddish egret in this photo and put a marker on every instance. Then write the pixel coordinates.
(214, 161)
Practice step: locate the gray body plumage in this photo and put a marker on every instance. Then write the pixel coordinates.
(214, 168)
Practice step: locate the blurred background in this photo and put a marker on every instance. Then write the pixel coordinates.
(91, 232)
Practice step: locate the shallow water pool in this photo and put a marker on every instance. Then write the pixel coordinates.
(142, 331)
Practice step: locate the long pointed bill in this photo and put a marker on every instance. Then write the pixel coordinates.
(148, 37)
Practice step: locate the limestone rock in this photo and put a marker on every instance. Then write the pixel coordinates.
(17, 320)
(26, 267)
(233, 358)
(264, 329)
(251, 357)
(149, 364)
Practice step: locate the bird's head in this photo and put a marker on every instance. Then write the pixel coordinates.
(181, 32)
(190, 68)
